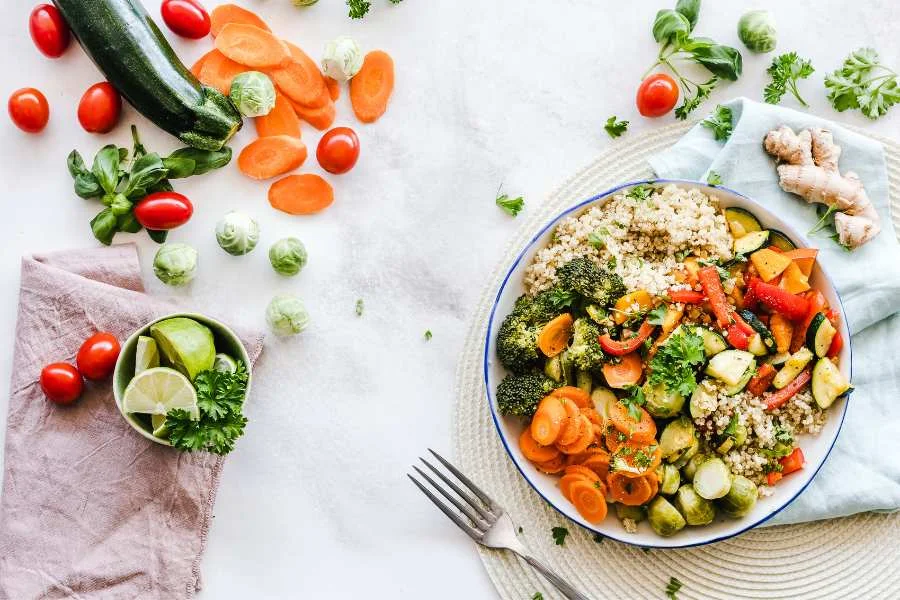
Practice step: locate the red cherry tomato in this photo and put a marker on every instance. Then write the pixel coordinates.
(100, 108)
(338, 150)
(163, 210)
(49, 30)
(61, 383)
(97, 356)
(186, 18)
(29, 110)
(657, 95)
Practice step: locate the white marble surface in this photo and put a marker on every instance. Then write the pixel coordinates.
(314, 503)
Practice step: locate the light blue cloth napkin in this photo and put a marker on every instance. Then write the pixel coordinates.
(863, 471)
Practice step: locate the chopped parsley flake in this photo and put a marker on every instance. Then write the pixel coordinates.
(559, 535)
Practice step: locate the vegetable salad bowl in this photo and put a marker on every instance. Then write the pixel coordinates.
(815, 447)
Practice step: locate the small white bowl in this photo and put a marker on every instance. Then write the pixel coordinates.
(815, 448)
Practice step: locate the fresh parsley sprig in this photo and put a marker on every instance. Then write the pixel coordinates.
(675, 363)
(634, 401)
(786, 70)
(720, 121)
(511, 206)
(559, 535)
(673, 588)
(713, 178)
(614, 127)
(863, 83)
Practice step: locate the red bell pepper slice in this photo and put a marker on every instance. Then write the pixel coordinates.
(750, 301)
(792, 462)
(627, 346)
(790, 305)
(742, 324)
(737, 337)
(817, 303)
(773, 477)
(775, 399)
(837, 343)
(762, 380)
(712, 287)
(686, 296)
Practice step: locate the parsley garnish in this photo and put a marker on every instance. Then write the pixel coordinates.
(863, 82)
(673, 365)
(731, 430)
(640, 192)
(428, 335)
(657, 315)
(641, 459)
(597, 238)
(358, 8)
(673, 587)
(220, 396)
(634, 401)
(511, 206)
(360, 306)
(783, 434)
(537, 596)
(520, 529)
(561, 298)
(720, 122)
(713, 178)
(559, 535)
(598, 538)
(614, 127)
(611, 263)
(785, 71)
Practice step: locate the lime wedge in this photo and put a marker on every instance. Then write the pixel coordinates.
(159, 426)
(225, 363)
(146, 356)
(185, 345)
(157, 391)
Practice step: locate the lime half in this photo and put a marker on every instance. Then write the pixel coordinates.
(157, 391)
(158, 422)
(225, 363)
(146, 356)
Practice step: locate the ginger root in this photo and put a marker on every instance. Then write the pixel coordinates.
(809, 168)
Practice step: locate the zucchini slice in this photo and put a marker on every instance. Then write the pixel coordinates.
(792, 367)
(713, 343)
(759, 327)
(820, 334)
(741, 220)
(751, 242)
(730, 366)
(781, 241)
(828, 383)
(737, 388)
(778, 359)
(712, 479)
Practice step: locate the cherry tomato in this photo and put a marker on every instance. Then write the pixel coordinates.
(338, 150)
(49, 30)
(657, 95)
(100, 108)
(61, 383)
(97, 356)
(186, 18)
(29, 110)
(163, 210)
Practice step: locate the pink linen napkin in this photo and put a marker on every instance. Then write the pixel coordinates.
(90, 509)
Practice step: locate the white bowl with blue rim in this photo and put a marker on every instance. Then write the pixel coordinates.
(815, 447)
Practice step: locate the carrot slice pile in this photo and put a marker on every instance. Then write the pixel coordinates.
(630, 491)
(281, 120)
(589, 499)
(301, 194)
(552, 466)
(639, 431)
(232, 13)
(534, 451)
(251, 46)
(371, 88)
(578, 396)
(547, 423)
(197, 66)
(582, 443)
(321, 118)
(271, 156)
(218, 71)
(300, 79)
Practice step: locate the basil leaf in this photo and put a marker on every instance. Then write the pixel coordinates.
(128, 223)
(158, 235)
(86, 185)
(690, 9)
(120, 205)
(178, 168)
(75, 164)
(104, 226)
(106, 168)
(724, 61)
(204, 160)
(146, 172)
(669, 24)
(162, 186)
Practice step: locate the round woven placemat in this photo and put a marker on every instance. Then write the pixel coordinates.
(853, 557)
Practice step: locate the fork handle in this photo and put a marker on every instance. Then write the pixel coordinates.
(560, 583)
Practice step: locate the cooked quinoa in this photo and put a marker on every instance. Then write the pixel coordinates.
(637, 238)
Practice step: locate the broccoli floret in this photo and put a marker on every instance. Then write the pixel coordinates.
(585, 277)
(517, 343)
(585, 348)
(519, 394)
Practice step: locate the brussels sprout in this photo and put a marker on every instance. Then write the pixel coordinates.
(690, 469)
(253, 94)
(664, 518)
(741, 498)
(175, 264)
(696, 510)
(676, 437)
(661, 403)
(757, 30)
(288, 256)
(584, 380)
(286, 315)
(685, 455)
(669, 478)
(703, 401)
(237, 233)
(342, 58)
(635, 513)
(712, 479)
(603, 398)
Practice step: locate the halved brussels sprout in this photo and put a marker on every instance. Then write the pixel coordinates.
(635, 513)
(696, 509)
(690, 469)
(664, 518)
(703, 401)
(676, 437)
(662, 403)
(712, 479)
(584, 380)
(603, 398)
(669, 479)
(687, 454)
(741, 498)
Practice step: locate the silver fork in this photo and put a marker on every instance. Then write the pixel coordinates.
(482, 519)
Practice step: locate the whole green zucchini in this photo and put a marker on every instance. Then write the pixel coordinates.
(128, 47)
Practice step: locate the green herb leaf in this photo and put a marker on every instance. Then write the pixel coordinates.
(691, 102)
(561, 298)
(720, 122)
(669, 24)
(640, 192)
(128, 223)
(203, 160)
(359, 307)
(428, 335)
(785, 71)
(120, 205)
(537, 595)
(177, 168)
(106, 168)
(722, 61)
(614, 127)
(598, 538)
(358, 8)
(673, 587)
(634, 401)
(559, 535)
(690, 9)
(86, 185)
(511, 206)
(658, 315)
(731, 429)
(597, 238)
(611, 263)
(713, 178)
(145, 172)
(863, 82)
(137, 149)
(675, 363)
(104, 226)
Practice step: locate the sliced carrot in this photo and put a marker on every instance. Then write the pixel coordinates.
(300, 79)
(552, 466)
(218, 71)
(321, 118)
(566, 481)
(643, 430)
(598, 463)
(577, 459)
(630, 491)
(571, 431)
(301, 194)
(534, 451)
(593, 416)
(547, 423)
(271, 156)
(782, 331)
(760, 382)
(627, 453)
(554, 336)
(583, 471)
(613, 439)
(583, 442)
(232, 13)
(577, 395)
(589, 499)
(334, 88)
(281, 120)
(370, 89)
(251, 46)
(653, 480)
(625, 373)
(197, 66)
